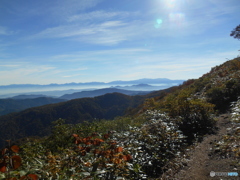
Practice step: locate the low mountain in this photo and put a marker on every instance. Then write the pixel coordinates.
(30, 96)
(19, 104)
(100, 92)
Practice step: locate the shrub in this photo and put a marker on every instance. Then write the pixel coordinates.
(194, 116)
(153, 145)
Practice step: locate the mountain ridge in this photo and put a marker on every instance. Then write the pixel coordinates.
(138, 81)
(99, 92)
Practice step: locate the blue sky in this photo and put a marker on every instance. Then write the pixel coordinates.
(62, 41)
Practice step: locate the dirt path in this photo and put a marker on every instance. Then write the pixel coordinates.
(201, 162)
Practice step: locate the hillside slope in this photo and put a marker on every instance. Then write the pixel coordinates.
(220, 87)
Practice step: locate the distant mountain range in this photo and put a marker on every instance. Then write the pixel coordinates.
(20, 101)
(133, 82)
(57, 90)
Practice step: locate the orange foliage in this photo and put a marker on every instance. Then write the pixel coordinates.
(3, 167)
(119, 149)
(15, 148)
(16, 162)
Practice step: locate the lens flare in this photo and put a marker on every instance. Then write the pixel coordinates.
(158, 23)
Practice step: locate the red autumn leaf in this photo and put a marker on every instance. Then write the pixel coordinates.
(124, 157)
(3, 167)
(81, 148)
(84, 140)
(15, 148)
(12, 178)
(129, 157)
(97, 141)
(33, 176)
(78, 141)
(88, 138)
(112, 142)
(106, 136)
(101, 140)
(23, 178)
(16, 162)
(118, 149)
(88, 142)
(75, 135)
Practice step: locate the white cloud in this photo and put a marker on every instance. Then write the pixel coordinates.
(106, 33)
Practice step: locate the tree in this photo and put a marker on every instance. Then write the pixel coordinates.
(236, 32)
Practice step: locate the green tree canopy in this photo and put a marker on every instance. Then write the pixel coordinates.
(236, 32)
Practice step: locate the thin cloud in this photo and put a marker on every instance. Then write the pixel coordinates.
(98, 55)
(9, 65)
(100, 16)
(5, 31)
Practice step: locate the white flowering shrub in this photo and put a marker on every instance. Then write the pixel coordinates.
(153, 145)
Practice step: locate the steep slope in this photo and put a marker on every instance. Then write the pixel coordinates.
(220, 87)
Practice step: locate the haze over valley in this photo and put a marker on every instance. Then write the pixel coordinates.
(57, 90)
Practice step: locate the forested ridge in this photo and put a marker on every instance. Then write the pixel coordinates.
(16, 105)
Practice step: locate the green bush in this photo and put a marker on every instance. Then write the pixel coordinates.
(194, 115)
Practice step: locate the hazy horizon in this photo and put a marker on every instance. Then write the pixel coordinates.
(153, 84)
